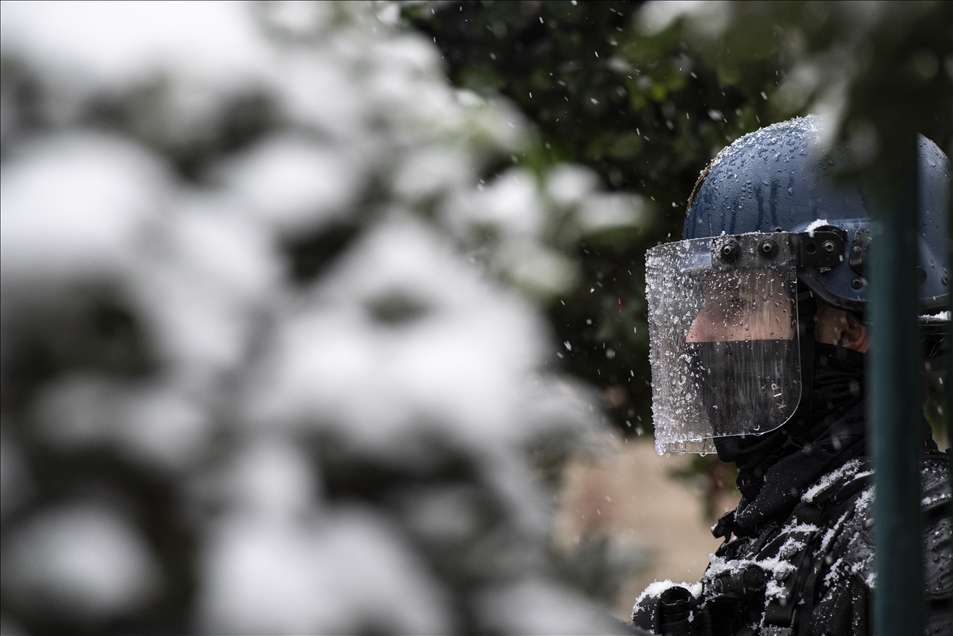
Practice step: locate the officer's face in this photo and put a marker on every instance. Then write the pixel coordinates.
(739, 310)
(752, 306)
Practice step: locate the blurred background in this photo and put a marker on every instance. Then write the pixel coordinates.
(330, 317)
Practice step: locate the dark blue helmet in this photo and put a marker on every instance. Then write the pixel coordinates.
(779, 179)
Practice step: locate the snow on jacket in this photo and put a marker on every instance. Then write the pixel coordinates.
(811, 573)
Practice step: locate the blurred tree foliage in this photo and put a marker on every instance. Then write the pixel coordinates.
(186, 234)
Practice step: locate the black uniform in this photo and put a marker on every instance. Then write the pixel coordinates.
(798, 554)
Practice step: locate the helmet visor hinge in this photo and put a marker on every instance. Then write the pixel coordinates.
(822, 248)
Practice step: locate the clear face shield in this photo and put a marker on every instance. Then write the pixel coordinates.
(724, 340)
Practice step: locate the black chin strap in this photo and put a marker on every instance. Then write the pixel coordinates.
(806, 311)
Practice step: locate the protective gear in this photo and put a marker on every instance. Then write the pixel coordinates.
(774, 468)
(767, 230)
(736, 369)
(812, 574)
(723, 327)
(779, 178)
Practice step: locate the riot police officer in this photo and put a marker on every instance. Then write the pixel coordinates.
(758, 337)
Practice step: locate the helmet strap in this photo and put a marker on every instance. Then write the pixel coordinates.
(806, 311)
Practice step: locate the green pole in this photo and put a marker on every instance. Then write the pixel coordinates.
(948, 381)
(893, 405)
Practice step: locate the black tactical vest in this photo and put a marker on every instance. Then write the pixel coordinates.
(810, 573)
